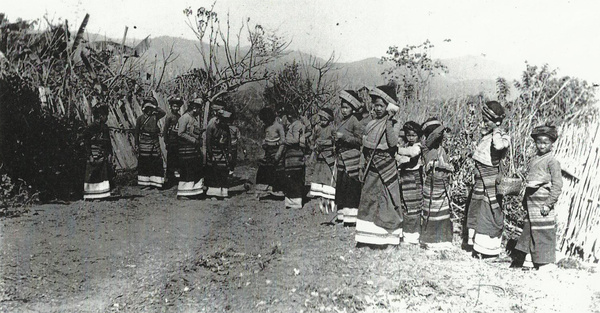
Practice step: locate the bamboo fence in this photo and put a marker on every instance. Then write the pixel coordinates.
(121, 121)
(578, 208)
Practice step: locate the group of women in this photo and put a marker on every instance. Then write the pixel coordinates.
(390, 179)
(183, 137)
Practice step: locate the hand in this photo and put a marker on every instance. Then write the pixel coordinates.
(277, 156)
(545, 210)
(339, 135)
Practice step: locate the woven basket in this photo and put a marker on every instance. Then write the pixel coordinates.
(509, 186)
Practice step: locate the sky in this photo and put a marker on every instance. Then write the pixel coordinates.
(564, 34)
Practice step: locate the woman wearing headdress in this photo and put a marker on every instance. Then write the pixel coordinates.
(544, 185)
(410, 162)
(294, 160)
(191, 179)
(171, 139)
(322, 180)
(98, 169)
(485, 219)
(348, 139)
(150, 164)
(436, 226)
(218, 147)
(379, 222)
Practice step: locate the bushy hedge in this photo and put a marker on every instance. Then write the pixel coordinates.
(39, 148)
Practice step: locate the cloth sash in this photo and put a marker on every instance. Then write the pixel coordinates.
(350, 162)
(294, 158)
(328, 155)
(385, 166)
(373, 135)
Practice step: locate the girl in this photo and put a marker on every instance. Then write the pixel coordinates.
(436, 230)
(218, 146)
(485, 219)
(544, 184)
(98, 167)
(191, 180)
(294, 162)
(410, 164)
(150, 163)
(378, 222)
(269, 177)
(347, 146)
(322, 178)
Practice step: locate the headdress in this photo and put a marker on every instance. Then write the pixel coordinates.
(545, 130)
(494, 111)
(388, 94)
(352, 98)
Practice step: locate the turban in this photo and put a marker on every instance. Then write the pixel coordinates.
(326, 113)
(494, 111)
(388, 94)
(545, 130)
(352, 98)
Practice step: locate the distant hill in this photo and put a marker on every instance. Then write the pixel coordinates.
(467, 74)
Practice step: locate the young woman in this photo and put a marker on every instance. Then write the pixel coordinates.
(410, 161)
(347, 145)
(218, 147)
(150, 163)
(485, 219)
(544, 185)
(269, 177)
(294, 162)
(378, 222)
(171, 139)
(98, 169)
(322, 180)
(191, 180)
(436, 229)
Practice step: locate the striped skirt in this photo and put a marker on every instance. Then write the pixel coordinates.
(150, 164)
(437, 226)
(322, 180)
(485, 219)
(217, 173)
(96, 184)
(411, 187)
(348, 187)
(539, 232)
(294, 177)
(378, 221)
(191, 176)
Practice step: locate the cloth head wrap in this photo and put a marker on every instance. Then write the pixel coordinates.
(388, 94)
(352, 98)
(326, 113)
(545, 130)
(494, 111)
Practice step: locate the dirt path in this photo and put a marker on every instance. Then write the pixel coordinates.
(148, 252)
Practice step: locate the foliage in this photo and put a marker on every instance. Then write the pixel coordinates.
(37, 147)
(412, 70)
(226, 64)
(303, 87)
(542, 97)
(46, 79)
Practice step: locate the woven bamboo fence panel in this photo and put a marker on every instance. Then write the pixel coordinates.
(578, 208)
(121, 121)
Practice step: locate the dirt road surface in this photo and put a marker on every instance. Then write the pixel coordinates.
(148, 252)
